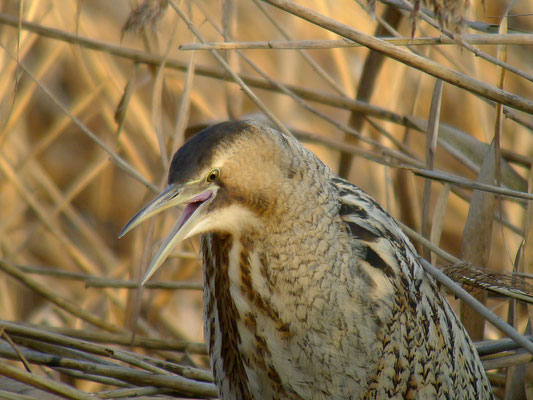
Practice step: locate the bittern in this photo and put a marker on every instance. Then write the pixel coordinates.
(311, 291)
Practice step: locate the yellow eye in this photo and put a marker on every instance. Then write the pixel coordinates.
(213, 175)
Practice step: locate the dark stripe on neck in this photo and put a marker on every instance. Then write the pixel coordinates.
(216, 260)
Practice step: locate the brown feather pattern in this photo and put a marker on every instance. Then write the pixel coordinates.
(312, 291)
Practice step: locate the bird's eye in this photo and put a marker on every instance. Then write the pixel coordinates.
(213, 175)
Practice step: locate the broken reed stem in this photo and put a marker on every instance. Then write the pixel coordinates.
(477, 306)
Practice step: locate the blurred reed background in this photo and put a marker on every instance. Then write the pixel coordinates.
(95, 96)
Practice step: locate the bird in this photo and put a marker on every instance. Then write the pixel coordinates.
(311, 289)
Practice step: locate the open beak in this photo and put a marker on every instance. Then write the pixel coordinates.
(193, 213)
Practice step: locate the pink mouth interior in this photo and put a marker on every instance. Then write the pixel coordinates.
(192, 206)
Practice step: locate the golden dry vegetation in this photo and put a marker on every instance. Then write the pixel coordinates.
(95, 96)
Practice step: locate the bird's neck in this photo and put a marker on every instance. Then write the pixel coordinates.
(234, 309)
(221, 317)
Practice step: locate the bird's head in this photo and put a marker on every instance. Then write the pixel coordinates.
(229, 177)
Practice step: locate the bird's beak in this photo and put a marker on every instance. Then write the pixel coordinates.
(173, 195)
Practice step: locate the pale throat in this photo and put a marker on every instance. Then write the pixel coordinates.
(234, 219)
